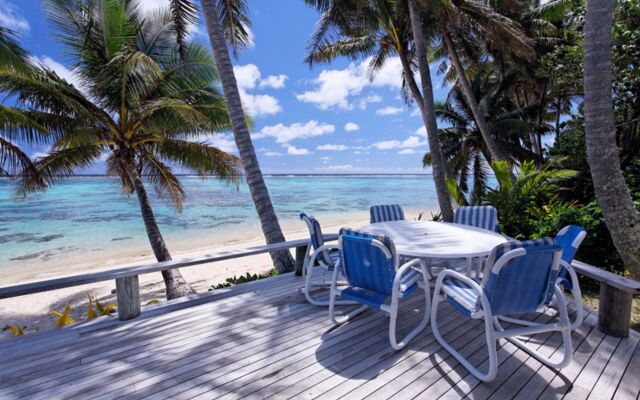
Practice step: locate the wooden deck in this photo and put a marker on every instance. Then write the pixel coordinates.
(262, 340)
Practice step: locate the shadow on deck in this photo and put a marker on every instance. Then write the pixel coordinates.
(263, 340)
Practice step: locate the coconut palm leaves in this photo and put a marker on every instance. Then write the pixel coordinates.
(145, 106)
(16, 125)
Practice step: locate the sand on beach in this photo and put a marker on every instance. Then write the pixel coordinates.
(33, 311)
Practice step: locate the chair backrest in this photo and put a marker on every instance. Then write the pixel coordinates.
(317, 240)
(365, 263)
(569, 238)
(485, 217)
(385, 213)
(520, 276)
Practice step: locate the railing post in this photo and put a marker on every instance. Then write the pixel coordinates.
(614, 311)
(128, 295)
(301, 253)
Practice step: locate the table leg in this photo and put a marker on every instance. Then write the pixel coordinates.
(469, 266)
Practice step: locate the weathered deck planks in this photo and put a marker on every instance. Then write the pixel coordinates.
(265, 341)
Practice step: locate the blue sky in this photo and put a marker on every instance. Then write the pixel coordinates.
(329, 119)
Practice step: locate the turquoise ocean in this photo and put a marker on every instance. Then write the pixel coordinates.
(84, 217)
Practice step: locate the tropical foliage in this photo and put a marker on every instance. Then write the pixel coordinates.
(144, 107)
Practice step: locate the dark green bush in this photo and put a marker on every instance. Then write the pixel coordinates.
(237, 280)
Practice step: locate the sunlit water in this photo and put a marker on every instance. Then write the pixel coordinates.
(86, 215)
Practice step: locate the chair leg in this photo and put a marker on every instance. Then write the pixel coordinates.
(307, 289)
(393, 314)
(565, 330)
(489, 334)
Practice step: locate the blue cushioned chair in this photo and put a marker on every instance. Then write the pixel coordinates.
(386, 213)
(485, 217)
(520, 277)
(317, 272)
(569, 238)
(376, 280)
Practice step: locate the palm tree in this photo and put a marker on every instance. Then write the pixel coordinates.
(228, 25)
(428, 107)
(463, 145)
(140, 108)
(14, 125)
(378, 29)
(473, 22)
(612, 192)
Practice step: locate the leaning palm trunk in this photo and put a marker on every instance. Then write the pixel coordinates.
(612, 192)
(496, 153)
(429, 115)
(175, 285)
(282, 260)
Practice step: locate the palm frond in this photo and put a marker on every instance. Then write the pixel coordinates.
(234, 17)
(184, 14)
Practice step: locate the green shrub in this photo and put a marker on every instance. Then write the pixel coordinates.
(237, 280)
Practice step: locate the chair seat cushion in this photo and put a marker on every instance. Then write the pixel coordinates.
(363, 296)
(461, 296)
(409, 281)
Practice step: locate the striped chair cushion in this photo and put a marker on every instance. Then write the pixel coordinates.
(525, 282)
(461, 296)
(485, 217)
(385, 213)
(569, 238)
(317, 240)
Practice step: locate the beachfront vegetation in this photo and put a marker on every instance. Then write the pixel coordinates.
(16, 126)
(143, 108)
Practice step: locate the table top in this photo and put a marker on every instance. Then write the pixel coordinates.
(428, 239)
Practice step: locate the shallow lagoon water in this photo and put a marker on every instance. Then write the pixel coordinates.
(88, 214)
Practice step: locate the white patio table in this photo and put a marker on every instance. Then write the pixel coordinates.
(428, 240)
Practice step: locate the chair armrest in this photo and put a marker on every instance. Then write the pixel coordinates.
(326, 247)
(401, 271)
(458, 276)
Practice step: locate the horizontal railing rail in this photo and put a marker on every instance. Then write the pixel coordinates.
(127, 290)
(614, 311)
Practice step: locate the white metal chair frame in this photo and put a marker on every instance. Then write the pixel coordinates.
(495, 331)
(390, 309)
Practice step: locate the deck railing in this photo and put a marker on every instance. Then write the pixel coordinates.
(614, 312)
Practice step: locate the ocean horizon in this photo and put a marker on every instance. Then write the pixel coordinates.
(89, 218)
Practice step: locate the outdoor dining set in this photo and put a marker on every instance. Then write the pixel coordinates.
(481, 273)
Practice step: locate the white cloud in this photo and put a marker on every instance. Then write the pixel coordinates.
(272, 154)
(222, 142)
(11, 17)
(407, 151)
(351, 127)
(295, 151)
(337, 88)
(274, 81)
(389, 110)
(410, 142)
(249, 78)
(260, 104)
(283, 133)
(334, 87)
(339, 168)
(332, 147)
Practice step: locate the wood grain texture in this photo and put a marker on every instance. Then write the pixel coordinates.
(264, 340)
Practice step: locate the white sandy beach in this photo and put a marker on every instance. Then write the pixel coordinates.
(32, 311)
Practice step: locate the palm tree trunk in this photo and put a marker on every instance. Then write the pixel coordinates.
(496, 152)
(175, 284)
(612, 192)
(282, 260)
(429, 115)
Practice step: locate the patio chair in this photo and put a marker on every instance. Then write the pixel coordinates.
(520, 277)
(485, 217)
(386, 213)
(319, 264)
(376, 280)
(569, 238)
